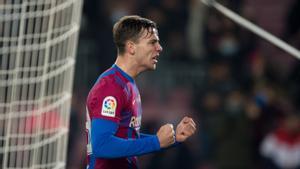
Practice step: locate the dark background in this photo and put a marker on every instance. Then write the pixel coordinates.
(238, 87)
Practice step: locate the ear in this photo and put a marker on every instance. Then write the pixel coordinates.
(130, 47)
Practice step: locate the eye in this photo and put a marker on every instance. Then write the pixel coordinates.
(153, 42)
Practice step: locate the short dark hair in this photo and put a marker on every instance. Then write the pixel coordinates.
(130, 28)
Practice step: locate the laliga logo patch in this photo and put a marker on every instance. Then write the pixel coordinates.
(109, 106)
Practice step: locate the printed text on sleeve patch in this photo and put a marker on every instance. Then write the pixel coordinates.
(109, 106)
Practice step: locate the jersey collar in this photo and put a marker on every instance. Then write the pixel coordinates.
(127, 76)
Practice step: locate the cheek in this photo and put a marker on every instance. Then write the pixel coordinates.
(150, 52)
(145, 54)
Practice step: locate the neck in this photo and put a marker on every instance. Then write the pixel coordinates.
(127, 65)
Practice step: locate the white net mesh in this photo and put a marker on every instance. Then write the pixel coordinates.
(37, 52)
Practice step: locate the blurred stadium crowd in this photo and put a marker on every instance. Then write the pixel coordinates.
(243, 92)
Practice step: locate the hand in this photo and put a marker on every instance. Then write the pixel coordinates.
(166, 135)
(185, 129)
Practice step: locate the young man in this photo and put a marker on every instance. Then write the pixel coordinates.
(114, 103)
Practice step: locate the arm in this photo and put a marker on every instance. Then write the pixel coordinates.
(106, 145)
(143, 135)
(185, 129)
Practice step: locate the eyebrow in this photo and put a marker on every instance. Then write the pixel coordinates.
(153, 40)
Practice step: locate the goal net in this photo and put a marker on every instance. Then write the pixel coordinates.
(38, 40)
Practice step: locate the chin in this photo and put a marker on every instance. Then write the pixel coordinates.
(150, 67)
(153, 67)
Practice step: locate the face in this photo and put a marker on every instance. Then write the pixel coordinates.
(147, 50)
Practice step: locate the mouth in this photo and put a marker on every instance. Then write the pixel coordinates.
(155, 59)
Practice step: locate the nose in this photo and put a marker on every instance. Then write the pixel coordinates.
(159, 48)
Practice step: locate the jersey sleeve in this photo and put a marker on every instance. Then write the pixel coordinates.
(106, 145)
(106, 100)
(143, 135)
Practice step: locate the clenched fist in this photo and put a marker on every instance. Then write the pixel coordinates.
(166, 135)
(185, 129)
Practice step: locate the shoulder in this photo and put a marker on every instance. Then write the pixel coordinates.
(109, 83)
(106, 86)
(107, 97)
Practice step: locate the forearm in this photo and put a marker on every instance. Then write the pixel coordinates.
(106, 145)
(143, 135)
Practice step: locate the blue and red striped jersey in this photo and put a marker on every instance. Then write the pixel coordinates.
(113, 122)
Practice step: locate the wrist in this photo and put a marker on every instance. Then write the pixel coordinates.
(157, 142)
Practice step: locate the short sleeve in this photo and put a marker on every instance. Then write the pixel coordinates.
(106, 101)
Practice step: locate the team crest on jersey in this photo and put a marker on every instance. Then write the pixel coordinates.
(109, 106)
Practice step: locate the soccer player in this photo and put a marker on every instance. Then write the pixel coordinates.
(114, 103)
